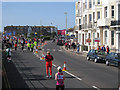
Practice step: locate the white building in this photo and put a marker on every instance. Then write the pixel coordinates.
(100, 20)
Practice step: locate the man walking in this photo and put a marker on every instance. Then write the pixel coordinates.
(49, 59)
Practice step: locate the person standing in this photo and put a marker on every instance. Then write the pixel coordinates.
(69, 44)
(49, 59)
(103, 48)
(98, 48)
(8, 53)
(22, 44)
(78, 47)
(107, 49)
(65, 44)
(16, 46)
(59, 77)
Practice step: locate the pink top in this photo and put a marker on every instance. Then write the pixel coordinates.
(60, 78)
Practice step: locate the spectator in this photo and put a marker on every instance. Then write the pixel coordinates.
(103, 48)
(98, 48)
(69, 44)
(107, 49)
(78, 47)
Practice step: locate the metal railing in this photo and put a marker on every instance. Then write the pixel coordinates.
(114, 23)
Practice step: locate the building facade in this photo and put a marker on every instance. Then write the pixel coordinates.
(98, 21)
(13, 30)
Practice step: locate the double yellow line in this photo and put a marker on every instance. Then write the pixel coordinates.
(6, 78)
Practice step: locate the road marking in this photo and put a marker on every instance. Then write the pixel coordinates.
(59, 50)
(48, 49)
(70, 73)
(54, 65)
(73, 75)
(96, 87)
(53, 49)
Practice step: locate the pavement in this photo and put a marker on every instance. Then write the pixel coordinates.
(27, 70)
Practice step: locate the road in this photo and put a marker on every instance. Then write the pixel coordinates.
(80, 72)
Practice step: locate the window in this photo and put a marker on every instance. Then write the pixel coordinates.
(90, 17)
(93, 38)
(90, 4)
(98, 1)
(89, 35)
(98, 15)
(105, 12)
(112, 11)
(112, 37)
(85, 18)
(85, 37)
(93, 16)
(85, 4)
(79, 21)
(93, 2)
(105, 37)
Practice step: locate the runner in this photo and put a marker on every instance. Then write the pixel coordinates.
(16, 46)
(8, 53)
(22, 44)
(59, 77)
(28, 45)
(32, 46)
(49, 59)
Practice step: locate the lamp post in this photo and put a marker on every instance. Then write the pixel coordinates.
(66, 22)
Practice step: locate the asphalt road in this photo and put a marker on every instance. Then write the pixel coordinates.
(94, 74)
(28, 71)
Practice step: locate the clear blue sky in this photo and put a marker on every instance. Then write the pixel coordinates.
(38, 13)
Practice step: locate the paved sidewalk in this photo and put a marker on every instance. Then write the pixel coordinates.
(75, 52)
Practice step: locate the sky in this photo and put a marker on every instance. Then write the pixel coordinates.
(38, 13)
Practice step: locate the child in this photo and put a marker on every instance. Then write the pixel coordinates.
(59, 77)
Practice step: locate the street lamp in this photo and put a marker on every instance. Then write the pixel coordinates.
(66, 22)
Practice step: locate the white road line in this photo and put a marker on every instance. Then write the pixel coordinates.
(73, 75)
(48, 49)
(70, 73)
(53, 49)
(59, 50)
(54, 65)
(96, 87)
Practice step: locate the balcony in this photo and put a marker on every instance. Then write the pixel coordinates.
(115, 23)
(103, 22)
(87, 26)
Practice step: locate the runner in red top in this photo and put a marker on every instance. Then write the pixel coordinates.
(49, 59)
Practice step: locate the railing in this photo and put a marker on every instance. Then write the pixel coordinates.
(86, 26)
(114, 23)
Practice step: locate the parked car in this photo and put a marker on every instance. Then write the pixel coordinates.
(96, 55)
(60, 41)
(113, 59)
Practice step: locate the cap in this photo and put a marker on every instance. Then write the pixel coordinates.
(59, 68)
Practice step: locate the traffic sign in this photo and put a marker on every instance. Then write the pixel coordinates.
(97, 40)
(88, 40)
